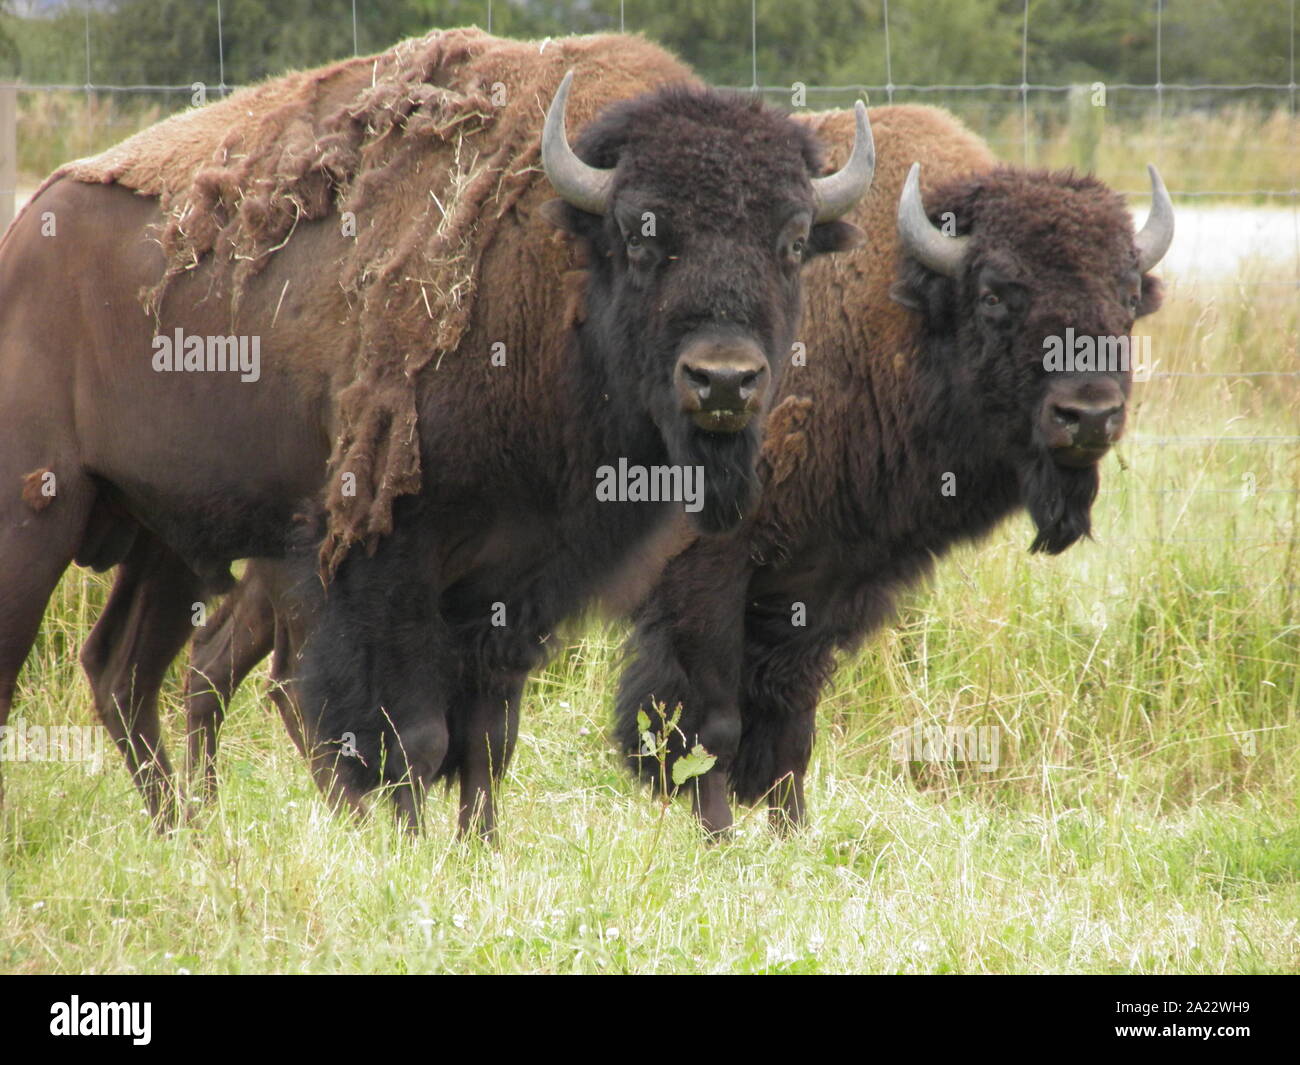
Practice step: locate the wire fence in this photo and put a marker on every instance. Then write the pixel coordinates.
(1154, 95)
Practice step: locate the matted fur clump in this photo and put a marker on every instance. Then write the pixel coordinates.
(429, 145)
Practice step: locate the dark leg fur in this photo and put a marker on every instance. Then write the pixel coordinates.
(781, 688)
(686, 652)
(238, 636)
(144, 626)
(377, 666)
(485, 728)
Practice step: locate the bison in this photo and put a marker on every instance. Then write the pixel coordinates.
(430, 479)
(924, 414)
(924, 369)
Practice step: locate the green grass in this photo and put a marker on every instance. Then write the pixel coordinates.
(1142, 818)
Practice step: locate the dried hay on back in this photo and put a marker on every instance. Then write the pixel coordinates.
(413, 143)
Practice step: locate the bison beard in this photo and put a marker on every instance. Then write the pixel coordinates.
(1059, 500)
(731, 482)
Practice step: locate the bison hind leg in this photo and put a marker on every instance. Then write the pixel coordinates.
(238, 636)
(35, 549)
(144, 626)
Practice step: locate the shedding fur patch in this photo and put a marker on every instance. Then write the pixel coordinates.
(34, 494)
(785, 442)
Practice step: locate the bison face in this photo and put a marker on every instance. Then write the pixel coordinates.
(1067, 356)
(1036, 298)
(697, 211)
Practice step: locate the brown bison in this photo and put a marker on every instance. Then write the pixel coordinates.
(359, 351)
(925, 413)
(923, 371)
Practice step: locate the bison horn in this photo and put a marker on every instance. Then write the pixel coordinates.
(1158, 232)
(922, 240)
(836, 193)
(586, 187)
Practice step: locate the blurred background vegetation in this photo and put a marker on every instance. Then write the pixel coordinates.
(939, 51)
(171, 42)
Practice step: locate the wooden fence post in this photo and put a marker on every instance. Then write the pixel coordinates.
(8, 154)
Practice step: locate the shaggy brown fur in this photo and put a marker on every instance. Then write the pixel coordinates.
(419, 123)
(860, 342)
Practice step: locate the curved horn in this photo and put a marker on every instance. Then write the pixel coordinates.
(921, 239)
(835, 193)
(586, 187)
(1158, 233)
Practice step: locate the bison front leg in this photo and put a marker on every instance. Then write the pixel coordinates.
(487, 723)
(144, 626)
(781, 688)
(375, 674)
(685, 661)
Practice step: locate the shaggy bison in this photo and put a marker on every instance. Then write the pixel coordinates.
(924, 369)
(924, 415)
(359, 352)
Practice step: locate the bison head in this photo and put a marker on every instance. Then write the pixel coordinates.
(697, 211)
(1029, 285)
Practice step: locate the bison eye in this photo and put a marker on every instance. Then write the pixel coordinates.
(798, 246)
(990, 299)
(639, 251)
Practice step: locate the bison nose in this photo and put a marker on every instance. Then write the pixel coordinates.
(721, 384)
(1081, 417)
(1089, 425)
(1079, 428)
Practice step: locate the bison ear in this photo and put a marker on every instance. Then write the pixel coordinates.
(901, 292)
(835, 236)
(931, 295)
(1152, 296)
(559, 214)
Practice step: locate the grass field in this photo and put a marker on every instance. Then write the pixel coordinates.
(1143, 816)
(1229, 149)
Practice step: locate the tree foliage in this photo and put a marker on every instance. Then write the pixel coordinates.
(176, 42)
